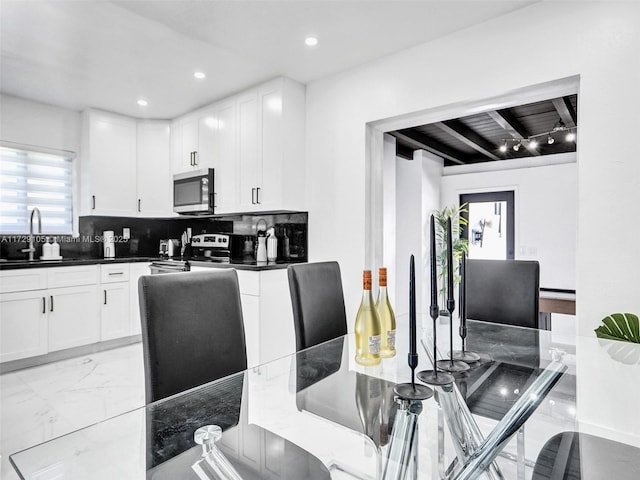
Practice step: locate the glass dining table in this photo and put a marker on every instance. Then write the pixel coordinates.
(317, 414)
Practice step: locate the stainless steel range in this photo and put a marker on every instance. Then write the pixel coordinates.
(216, 247)
(168, 266)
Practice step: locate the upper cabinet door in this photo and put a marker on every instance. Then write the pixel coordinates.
(270, 144)
(207, 150)
(154, 181)
(109, 183)
(189, 149)
(225, 164)
(248, 151)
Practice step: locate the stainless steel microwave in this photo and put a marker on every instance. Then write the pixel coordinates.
(193, 192)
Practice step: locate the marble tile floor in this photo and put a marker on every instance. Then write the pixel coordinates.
(40, 403)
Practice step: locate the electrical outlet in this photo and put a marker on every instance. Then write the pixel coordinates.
(126, 233)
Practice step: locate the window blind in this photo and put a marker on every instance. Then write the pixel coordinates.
(30, 179)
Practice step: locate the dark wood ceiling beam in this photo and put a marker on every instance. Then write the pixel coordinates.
(565, 109)
(424, 142)
(467, 136)
(507, 120)
(403, 151)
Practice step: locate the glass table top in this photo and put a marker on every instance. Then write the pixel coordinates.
(318, 414)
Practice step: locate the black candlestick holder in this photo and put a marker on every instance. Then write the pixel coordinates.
(452, 365)
(434, 377)
(464, 355)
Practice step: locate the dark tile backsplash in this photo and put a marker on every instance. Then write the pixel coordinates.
(147, 232)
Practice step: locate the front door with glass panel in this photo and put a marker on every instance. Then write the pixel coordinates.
(490, 224)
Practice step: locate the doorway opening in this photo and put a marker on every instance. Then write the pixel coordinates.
(490, 226)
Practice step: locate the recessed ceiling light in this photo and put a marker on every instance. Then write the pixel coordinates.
(311, 41)
(199, 75)
(142, 103)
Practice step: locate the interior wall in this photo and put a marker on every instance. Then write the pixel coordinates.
(546, 214)
(408, 233)
(599, 41)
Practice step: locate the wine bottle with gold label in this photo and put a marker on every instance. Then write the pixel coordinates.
(367, 328)
(387, 317)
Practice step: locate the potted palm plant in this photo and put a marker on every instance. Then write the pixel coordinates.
(459, 246)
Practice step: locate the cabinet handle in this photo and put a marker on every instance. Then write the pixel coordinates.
(258, 195)
(139, 202)
(253, 196)
(215, 197)
(51, 298)
(93, 202)
(191, 158)
(115, 273)
(44, 305)
(105, 297)
(195, 158)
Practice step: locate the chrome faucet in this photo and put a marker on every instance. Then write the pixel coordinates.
(32, 247)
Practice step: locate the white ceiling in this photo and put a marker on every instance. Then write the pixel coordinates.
(79, 54)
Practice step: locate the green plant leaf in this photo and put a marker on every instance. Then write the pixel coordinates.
(620, 326)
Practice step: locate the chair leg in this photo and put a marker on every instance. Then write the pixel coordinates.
(520, 453)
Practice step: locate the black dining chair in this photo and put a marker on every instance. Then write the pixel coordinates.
(318, 303)
(192, 330)
(503, 291)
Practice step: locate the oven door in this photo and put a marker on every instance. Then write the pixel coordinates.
(193, 192)
(168, 267)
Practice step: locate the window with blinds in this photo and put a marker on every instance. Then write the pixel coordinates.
(30, 179)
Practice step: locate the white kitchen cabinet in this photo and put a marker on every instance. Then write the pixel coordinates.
(225, 164)
(23, 280)
(251, 318)
(255, 143)
(108, 164)
(277, 336)
(115, 317)
(136, 270)
(271, 147)
(154, 184)
(194, 140)
(60, 311)
(115, 307)
(73, 317)
(23, 325)
(248, 183)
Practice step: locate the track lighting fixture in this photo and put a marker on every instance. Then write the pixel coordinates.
(533, 141)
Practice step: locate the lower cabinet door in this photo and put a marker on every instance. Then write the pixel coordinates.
(251, 317)
(73, 317)
(114, 299)
(136, 270)
(23, 325)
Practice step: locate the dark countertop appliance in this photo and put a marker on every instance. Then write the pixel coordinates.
(193, 192)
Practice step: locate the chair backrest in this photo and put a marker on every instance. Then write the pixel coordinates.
(503, 291)
(192, 330)
(318, 303)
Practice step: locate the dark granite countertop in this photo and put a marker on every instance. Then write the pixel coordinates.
(69, 262)
(249, 265)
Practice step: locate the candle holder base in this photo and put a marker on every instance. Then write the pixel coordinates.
(407, 391)
(452, 366)
(466, 356)
(429, 377)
